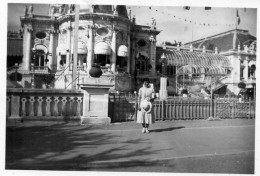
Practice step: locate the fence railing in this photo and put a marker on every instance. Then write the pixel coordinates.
(50, 104)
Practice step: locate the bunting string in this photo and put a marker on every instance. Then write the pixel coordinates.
(186, 20)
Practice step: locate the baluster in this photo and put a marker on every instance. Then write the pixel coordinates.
(155, 109)
(63, 109)
(8, 100)
(72, 100)
(181, 109)
(177, 109)
(170, 115)
(79, 100)
(201, 109)
(167, 109)
(48, 106)
(39, 112)
(32, 100)
(56, 110)
(174, 110)
(191, 109)
(23, 113)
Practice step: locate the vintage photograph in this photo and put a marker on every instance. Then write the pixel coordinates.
(119, 87)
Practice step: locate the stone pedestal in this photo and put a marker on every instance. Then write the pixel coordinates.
(163, 94)
(15, 104)
(95, 104)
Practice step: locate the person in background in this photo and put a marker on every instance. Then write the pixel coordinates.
(145, 114)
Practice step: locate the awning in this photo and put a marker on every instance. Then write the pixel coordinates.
(41, 47)
(251, 63)
(14, 47)
(102, 48)
(142, 53)
(61, 49)
(122, 51)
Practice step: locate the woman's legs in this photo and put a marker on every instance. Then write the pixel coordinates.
(146, 128)
(143, 130)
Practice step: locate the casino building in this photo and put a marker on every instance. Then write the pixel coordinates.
(127, 52)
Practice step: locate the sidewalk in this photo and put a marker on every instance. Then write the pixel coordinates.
(122, 146)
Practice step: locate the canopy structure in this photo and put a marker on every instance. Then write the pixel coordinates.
(198, 59)
(201, 69)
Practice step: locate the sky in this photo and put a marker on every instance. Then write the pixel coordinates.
(174, 22)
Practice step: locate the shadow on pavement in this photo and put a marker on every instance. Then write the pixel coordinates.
(66, 147)
(167, 129)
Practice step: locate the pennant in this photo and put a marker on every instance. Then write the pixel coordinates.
(207, 8)
(238, 18)
(186, 7)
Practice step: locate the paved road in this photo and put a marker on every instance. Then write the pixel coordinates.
(225, 146)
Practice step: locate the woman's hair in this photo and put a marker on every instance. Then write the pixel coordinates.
(146, 80)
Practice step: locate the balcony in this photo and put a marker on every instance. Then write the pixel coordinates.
(40, 69)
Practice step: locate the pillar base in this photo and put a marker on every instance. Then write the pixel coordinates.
(14, 119)
(95, 120)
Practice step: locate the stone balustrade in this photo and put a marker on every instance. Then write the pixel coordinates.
(38, 104)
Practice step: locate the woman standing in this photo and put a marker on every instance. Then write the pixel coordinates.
(145, 114)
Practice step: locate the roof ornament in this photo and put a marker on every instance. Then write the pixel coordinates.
(178, 46)
(133, 19)
(216, 50)
(191, 48)
(204, 49)
(114, 10)
(30, 10)
(246, 48)
(26, 11)
(129, 13)
(153, 25)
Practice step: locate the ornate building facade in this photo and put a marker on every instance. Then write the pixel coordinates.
(107, 36)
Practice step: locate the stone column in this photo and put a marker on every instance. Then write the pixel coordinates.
(163, 88)
(27, 37)
(153, 54)
(54, 52)
(90, 48)
(50, 55)
(128, 57)
(68, 55)
(133, 55)
(245, 71)
(113, 52)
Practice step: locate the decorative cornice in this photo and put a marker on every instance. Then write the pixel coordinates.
(95, 16)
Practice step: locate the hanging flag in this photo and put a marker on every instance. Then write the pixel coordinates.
(186, 7)
(238, 18)
(207, 8)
